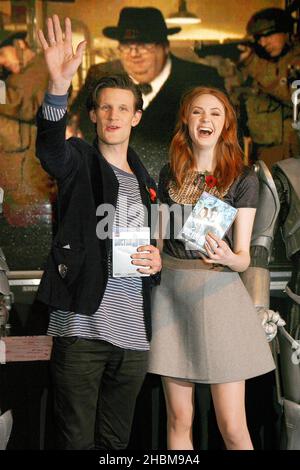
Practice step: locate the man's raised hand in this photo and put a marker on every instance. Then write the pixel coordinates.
(61, 61)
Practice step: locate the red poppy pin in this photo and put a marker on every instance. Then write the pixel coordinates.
(211, 181)
(152, 194)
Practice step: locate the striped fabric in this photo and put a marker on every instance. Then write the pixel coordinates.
(54, 106)
(119, 319)
(52, 113)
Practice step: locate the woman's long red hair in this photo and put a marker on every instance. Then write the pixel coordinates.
(228, 151)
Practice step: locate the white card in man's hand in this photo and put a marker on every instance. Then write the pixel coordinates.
(125, 241)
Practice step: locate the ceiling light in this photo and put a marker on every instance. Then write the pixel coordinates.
(183, 16)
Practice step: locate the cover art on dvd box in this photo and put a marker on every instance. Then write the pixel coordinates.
(210, 214)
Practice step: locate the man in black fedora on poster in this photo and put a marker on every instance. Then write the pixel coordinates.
(145, 56)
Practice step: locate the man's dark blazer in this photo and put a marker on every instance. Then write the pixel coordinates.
(151, 138)
(77, 268)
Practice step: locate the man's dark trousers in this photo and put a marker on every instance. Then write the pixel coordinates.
(95, 389)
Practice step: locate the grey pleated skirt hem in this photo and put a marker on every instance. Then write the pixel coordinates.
(205, 327)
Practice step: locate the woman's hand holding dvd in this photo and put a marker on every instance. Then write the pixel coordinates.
(217, 251)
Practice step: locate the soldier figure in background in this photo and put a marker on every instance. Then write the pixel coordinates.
(28, 189)
(268, 70)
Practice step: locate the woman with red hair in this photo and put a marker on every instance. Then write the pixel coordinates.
(205, 327)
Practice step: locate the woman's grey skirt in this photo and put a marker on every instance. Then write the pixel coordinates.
(205, 326)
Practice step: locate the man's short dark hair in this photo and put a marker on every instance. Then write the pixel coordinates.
(121, 81)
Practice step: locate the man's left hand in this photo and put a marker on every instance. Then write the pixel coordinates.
(148, 256)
